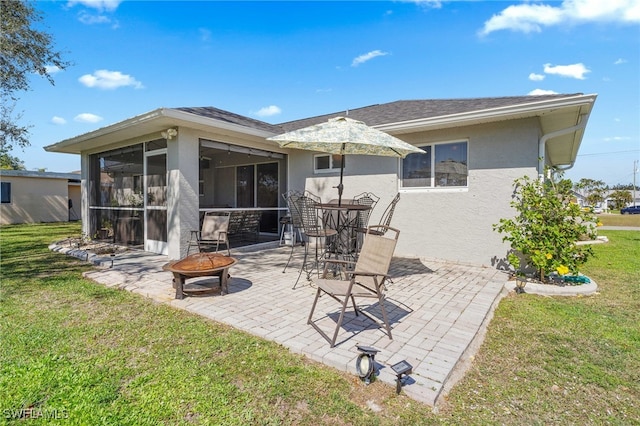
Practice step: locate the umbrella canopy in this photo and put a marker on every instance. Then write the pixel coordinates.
(342, 135)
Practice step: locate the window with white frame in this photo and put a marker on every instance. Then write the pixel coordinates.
(442, 165)
(325, 163)
(5, 192)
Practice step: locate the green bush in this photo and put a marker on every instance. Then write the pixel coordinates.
(544, 232)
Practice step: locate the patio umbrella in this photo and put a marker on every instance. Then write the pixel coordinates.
(345, 136)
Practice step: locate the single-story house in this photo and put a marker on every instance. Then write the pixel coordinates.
(190, 160)
(31, 197)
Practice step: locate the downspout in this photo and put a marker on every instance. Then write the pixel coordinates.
(542, 144)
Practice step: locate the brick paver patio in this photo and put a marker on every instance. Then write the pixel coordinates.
(438, 310)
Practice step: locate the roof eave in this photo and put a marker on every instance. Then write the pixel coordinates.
(150, 122)
(531, 109)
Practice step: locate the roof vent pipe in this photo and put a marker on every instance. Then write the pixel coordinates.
(542, 144)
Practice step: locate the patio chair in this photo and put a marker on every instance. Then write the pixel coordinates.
(294, 220)
(362, 218)
(309, 214)
(387, 215)
(365, 280)
(214, 231)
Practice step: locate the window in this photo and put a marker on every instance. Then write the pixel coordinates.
(324, 163)
(5, 192)
(442, 165)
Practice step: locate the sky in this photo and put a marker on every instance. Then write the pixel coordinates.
(282, 61)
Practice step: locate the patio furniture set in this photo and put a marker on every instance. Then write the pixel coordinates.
(355, 257)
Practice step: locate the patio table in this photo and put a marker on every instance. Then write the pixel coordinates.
(200, 265)
(344, 221)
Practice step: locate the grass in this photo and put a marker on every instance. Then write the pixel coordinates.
(619, 219)
(87, 354)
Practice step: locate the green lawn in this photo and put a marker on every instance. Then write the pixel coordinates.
(619, 219)
(86, 354)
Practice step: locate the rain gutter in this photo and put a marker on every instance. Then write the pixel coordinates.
(542, 145)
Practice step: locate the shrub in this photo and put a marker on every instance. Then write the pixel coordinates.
(544, 232)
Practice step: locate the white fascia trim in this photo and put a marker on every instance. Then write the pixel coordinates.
(487, 115)
(170, 113)
(103, 131)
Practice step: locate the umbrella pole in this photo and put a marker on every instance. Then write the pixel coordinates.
(340, 186)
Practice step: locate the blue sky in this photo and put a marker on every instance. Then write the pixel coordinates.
(281, 61)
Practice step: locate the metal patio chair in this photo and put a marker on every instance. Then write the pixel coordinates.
(294, 220)
(362, 218)
(387, 215)
(214, 232)
(309, 214)
(365, 280)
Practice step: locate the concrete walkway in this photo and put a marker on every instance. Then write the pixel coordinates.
(438, 310)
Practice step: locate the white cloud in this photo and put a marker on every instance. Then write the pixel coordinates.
(536, 77)
(52, 69)
(101, 5)
(97, 15)
(268, 111)
(89, 19)
(573, 71)
(87, 117)
(431, 4)
(617, 138)
(620, 61)
(538, 92)
(58, 120)
(529, 17)
(367, 57)
(105, 79)
(525, 17)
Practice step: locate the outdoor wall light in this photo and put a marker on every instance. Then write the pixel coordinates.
(402, 370)
(169, 134)
(366, 364)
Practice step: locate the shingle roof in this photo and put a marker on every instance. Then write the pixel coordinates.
(399, 111)
(230, 117)
(378, 114)
(74, 176)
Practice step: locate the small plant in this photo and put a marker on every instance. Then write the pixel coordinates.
(544, 232)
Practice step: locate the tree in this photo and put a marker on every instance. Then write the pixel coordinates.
(24, 50)
(9, 162)
(544, 232)
(621, 198)
(628, 186)
(592, 190)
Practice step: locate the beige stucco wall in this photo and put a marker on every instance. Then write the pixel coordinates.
(453, 224)
(35, 200)
(75, 195)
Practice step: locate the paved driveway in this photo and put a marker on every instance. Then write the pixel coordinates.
(439, 311)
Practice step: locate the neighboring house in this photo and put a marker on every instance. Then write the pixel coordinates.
(189, 160)
(31, 197)
(608, 203)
